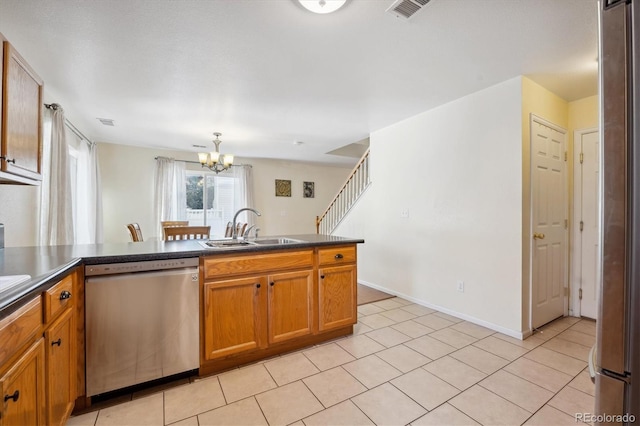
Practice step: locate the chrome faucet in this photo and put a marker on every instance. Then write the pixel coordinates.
(234, 236)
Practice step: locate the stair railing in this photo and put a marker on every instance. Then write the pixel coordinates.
(354, 186)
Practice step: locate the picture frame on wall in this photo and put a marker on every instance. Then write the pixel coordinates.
(283, 188)
(308, 189)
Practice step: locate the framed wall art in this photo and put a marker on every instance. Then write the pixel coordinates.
(283, 188)
(308, 189)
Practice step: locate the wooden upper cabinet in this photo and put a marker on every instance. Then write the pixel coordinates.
(21, 127)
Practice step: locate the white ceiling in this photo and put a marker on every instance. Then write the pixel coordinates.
(267, 73)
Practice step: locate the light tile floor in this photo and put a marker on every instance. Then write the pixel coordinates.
(405, 364)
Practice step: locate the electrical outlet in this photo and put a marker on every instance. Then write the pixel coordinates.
(404, 213)
(461, 286)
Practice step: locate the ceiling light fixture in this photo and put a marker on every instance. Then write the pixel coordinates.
(213, 160)
(322, 6)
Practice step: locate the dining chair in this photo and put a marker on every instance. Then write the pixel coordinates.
(135, 232)
(172, 224)
(228, 231)
(187, 233)
(166, 223)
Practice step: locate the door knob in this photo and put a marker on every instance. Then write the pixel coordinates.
(538, 236)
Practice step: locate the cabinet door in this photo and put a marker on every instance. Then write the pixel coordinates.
(337, 297)
(22, 389)
(290, 305)
(234, 312)
(61, 368)
(22, 112)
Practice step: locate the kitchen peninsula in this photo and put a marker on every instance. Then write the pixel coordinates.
(254, 301)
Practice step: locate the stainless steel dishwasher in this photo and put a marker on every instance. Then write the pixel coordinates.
(141, 322)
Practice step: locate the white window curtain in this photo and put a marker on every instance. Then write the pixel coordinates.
(243, 187)
(170, 192)
(56, 204)
(86, 186)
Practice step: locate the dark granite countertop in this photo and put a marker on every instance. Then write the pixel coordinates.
(46, 265)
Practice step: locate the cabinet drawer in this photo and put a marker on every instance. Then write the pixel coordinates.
(251, 263)
(58, 297)
(19, 327)
(337, 255)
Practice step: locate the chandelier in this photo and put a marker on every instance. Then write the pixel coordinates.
(213, 160)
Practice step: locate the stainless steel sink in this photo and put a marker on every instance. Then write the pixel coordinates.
(225, 243)
(229, 243)
(273, 241)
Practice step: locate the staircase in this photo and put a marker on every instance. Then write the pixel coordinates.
(357, 182)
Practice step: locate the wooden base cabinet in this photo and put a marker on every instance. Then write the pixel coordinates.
(337, 287)
(250, 313)
(234, 316)
(262, 304)
(290, 305)
(61, 368)
(337, 299)
(22, 389)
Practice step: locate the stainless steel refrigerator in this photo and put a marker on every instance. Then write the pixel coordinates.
(617, 355)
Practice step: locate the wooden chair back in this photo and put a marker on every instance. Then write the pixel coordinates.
(187, 233)
(167, 223)
(240, 227)
(135, 232)
(172, 224)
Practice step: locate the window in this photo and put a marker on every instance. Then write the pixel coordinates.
(211, 200)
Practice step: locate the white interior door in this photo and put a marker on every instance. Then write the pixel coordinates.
(587, 222)
(548, 204)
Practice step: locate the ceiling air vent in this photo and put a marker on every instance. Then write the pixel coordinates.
(406, 8)
(106, 121)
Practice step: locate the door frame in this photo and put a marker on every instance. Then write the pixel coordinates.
(575, 308)
(535, 118)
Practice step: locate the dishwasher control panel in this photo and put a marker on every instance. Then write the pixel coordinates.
(144, 266)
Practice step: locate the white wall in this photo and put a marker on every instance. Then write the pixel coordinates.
(127, 187)
(20, 214)
(458, 170)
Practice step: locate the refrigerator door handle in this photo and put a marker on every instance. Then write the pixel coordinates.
(592, 363)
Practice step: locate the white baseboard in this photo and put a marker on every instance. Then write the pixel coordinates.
(512, 333)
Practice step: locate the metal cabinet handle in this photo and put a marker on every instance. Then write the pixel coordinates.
(272, 283)
(339, 256)
(8, 161)
(257, 285)
(322, 276)
(56, 342)
(15, 396)
(65, 295)
(538, 236)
